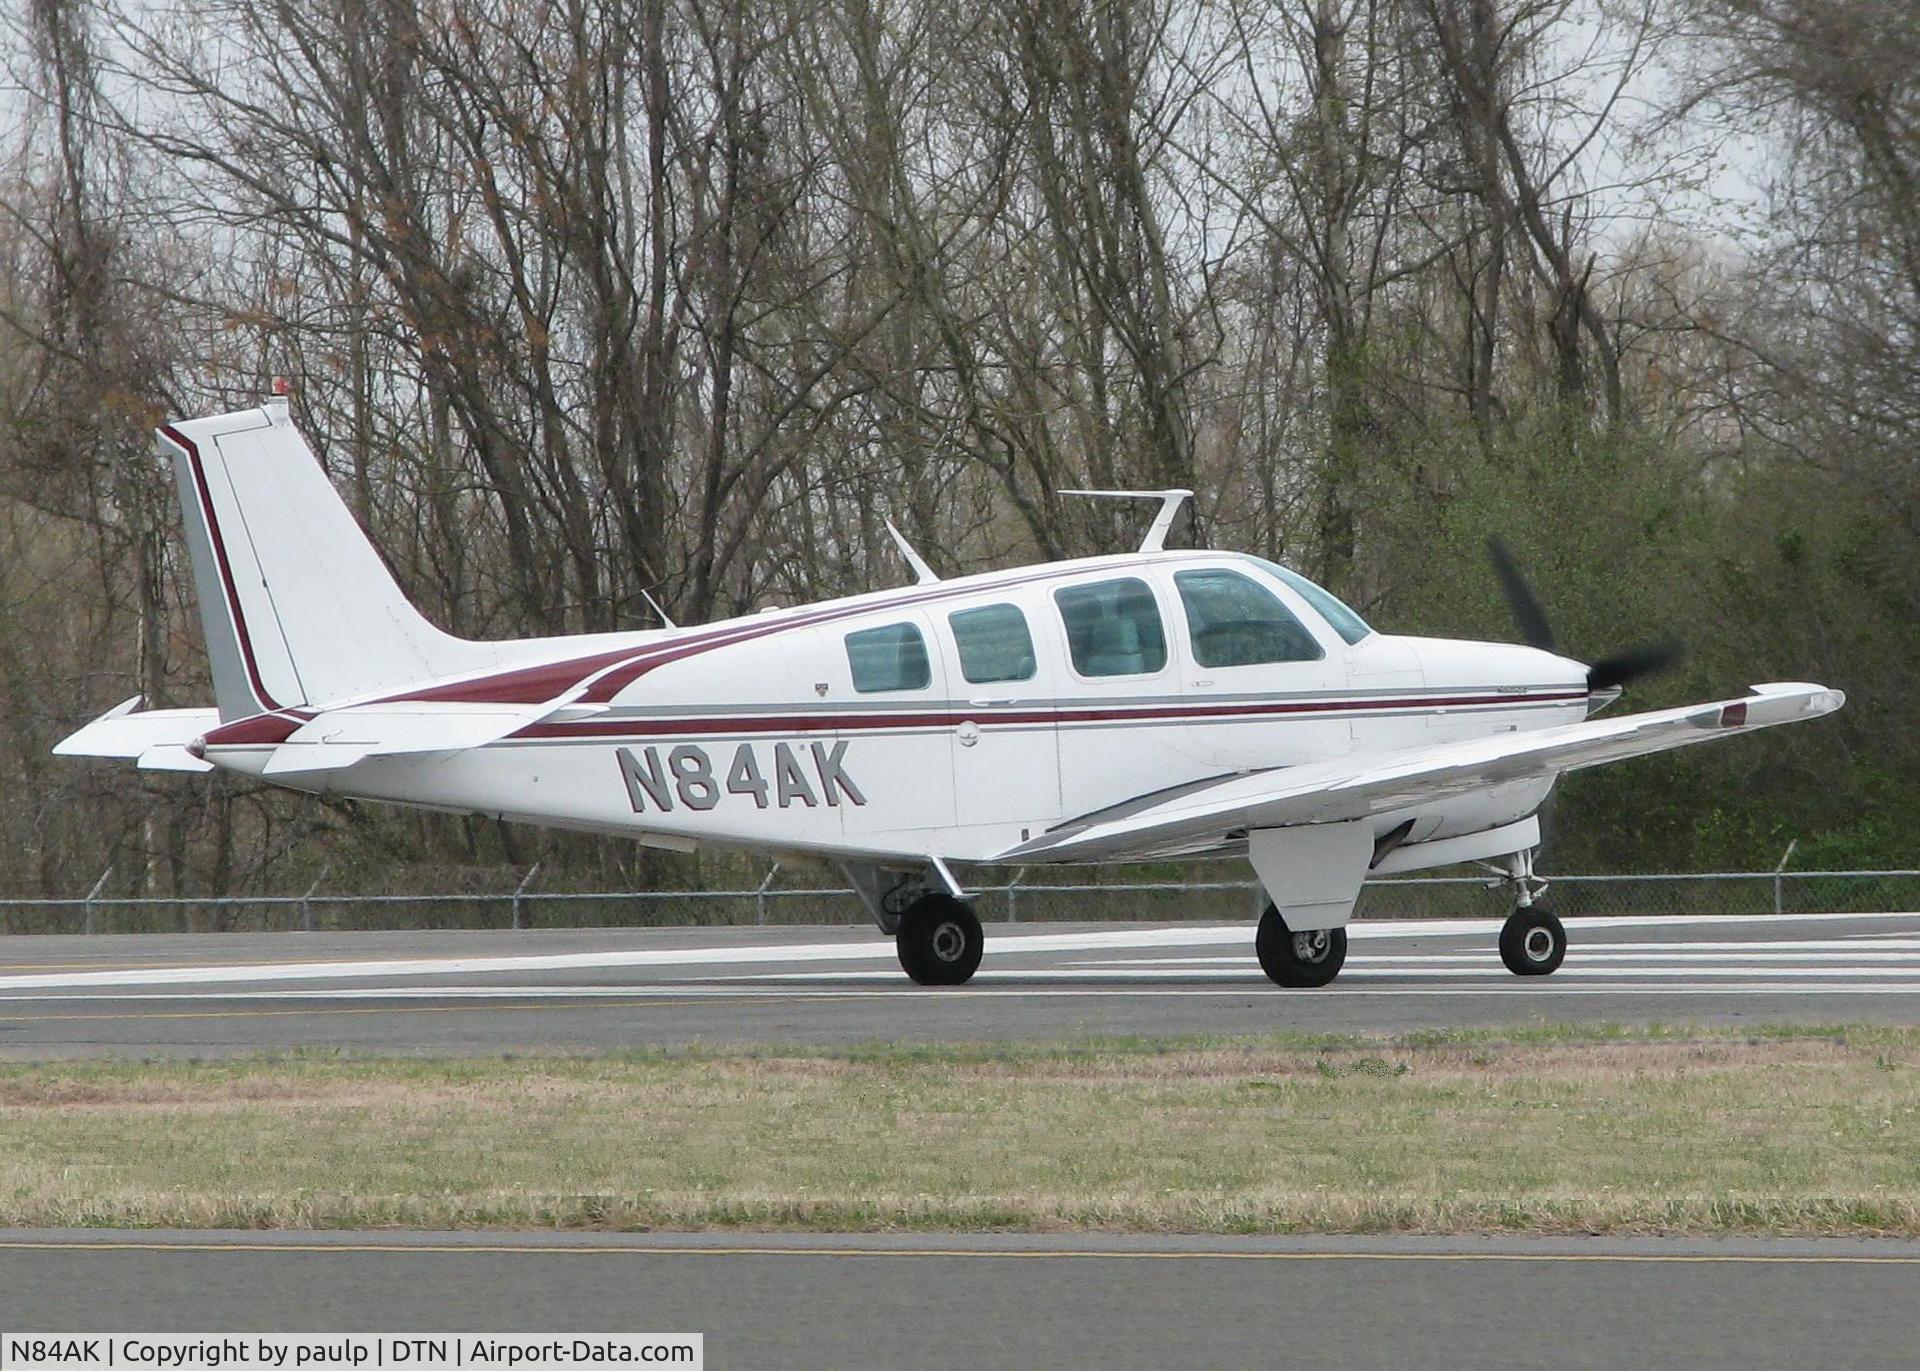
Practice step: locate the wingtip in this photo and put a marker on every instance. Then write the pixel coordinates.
(1816, 699)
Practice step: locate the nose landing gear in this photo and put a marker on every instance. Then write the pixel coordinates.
(1533, 942)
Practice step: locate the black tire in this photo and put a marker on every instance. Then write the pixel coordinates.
(1298, 960)
(1533, 942)
(939, 941)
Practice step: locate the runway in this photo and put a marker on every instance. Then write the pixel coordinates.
(769, 1301)
(595, 990)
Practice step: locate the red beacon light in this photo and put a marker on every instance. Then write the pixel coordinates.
(282, 387)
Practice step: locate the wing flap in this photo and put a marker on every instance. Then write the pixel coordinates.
(1367, 784)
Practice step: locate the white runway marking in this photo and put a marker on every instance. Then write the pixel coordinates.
(1846, 961)
(1476, 959)
(875, 950)
(980, 987)
(1220, 973)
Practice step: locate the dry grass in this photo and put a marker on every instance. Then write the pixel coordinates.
(1550, 1131)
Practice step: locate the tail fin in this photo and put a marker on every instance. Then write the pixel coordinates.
(297, 606)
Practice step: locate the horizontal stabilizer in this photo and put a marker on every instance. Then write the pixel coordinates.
(341, 737)
(1365, 784)
(171, 757)
(125, 732)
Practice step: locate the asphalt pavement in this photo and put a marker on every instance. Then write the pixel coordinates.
(596, 990)
(965, 1303)
(946, 1301)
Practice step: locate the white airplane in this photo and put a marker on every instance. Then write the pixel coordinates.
(1154, 705)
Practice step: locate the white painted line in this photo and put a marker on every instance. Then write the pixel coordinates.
(1001, 943)
(1756, 946)
(1785, 975)
(1894, 962)
(1252, 989)
(877, 949)
(1413, 927)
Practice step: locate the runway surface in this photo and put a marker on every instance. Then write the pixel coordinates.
(590, 990)
(766, 1301)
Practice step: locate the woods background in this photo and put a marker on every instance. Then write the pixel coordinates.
(588, 298)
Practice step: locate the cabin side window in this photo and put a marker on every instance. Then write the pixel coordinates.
(1234, 621)
(1113, 628)
(994, 643)
(889, 658)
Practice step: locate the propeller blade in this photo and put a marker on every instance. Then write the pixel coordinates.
(1634, 663)
(1528, 617)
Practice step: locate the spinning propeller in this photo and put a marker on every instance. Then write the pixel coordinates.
(1609, 673)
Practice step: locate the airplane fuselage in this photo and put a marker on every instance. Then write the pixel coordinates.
(960, 718)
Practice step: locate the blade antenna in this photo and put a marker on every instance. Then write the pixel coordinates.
(655, 606)
(1170, 502)
(922, 573)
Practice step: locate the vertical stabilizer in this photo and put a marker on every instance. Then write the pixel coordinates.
(297, 605)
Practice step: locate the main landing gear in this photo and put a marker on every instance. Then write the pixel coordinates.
(1309, 957)
(1532, 941)
(935, 933)
(939, 940)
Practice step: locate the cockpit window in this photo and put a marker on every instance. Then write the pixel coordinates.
(1345, 622)
(1232, 620)
(1113, 628)
(890, 658)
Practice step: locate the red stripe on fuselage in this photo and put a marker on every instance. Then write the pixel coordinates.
(261, 728)
(621, 667)
(831, 723)
(272, 729)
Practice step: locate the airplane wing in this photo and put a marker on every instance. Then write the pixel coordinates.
(1356, 787)
(157, 738)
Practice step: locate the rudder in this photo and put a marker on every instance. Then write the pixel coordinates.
(297, 606)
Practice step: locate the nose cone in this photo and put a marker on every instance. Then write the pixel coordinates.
(1453, 663)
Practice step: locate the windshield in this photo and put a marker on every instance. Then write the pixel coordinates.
(1345, 622)
(1233, 620)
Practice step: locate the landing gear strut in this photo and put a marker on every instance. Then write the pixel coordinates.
(1532, 941)
(1308, 958)
(939, 940)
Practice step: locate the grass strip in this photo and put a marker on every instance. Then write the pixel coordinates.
(1555, 1129)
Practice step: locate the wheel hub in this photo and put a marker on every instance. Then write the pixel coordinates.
(1311, 946)
(1538, 944)
(949, 942)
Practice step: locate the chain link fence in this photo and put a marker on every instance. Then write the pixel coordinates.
(1017, 900)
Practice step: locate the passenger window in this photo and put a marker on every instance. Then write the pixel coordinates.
(994, 643)
(1234, 621)
(1113, 628)
(890, 658)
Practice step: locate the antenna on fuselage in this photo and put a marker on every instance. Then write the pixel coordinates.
(922, 573)
(1170, 502)
(657, 610)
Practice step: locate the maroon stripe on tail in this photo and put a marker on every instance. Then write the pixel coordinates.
(205, 494)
